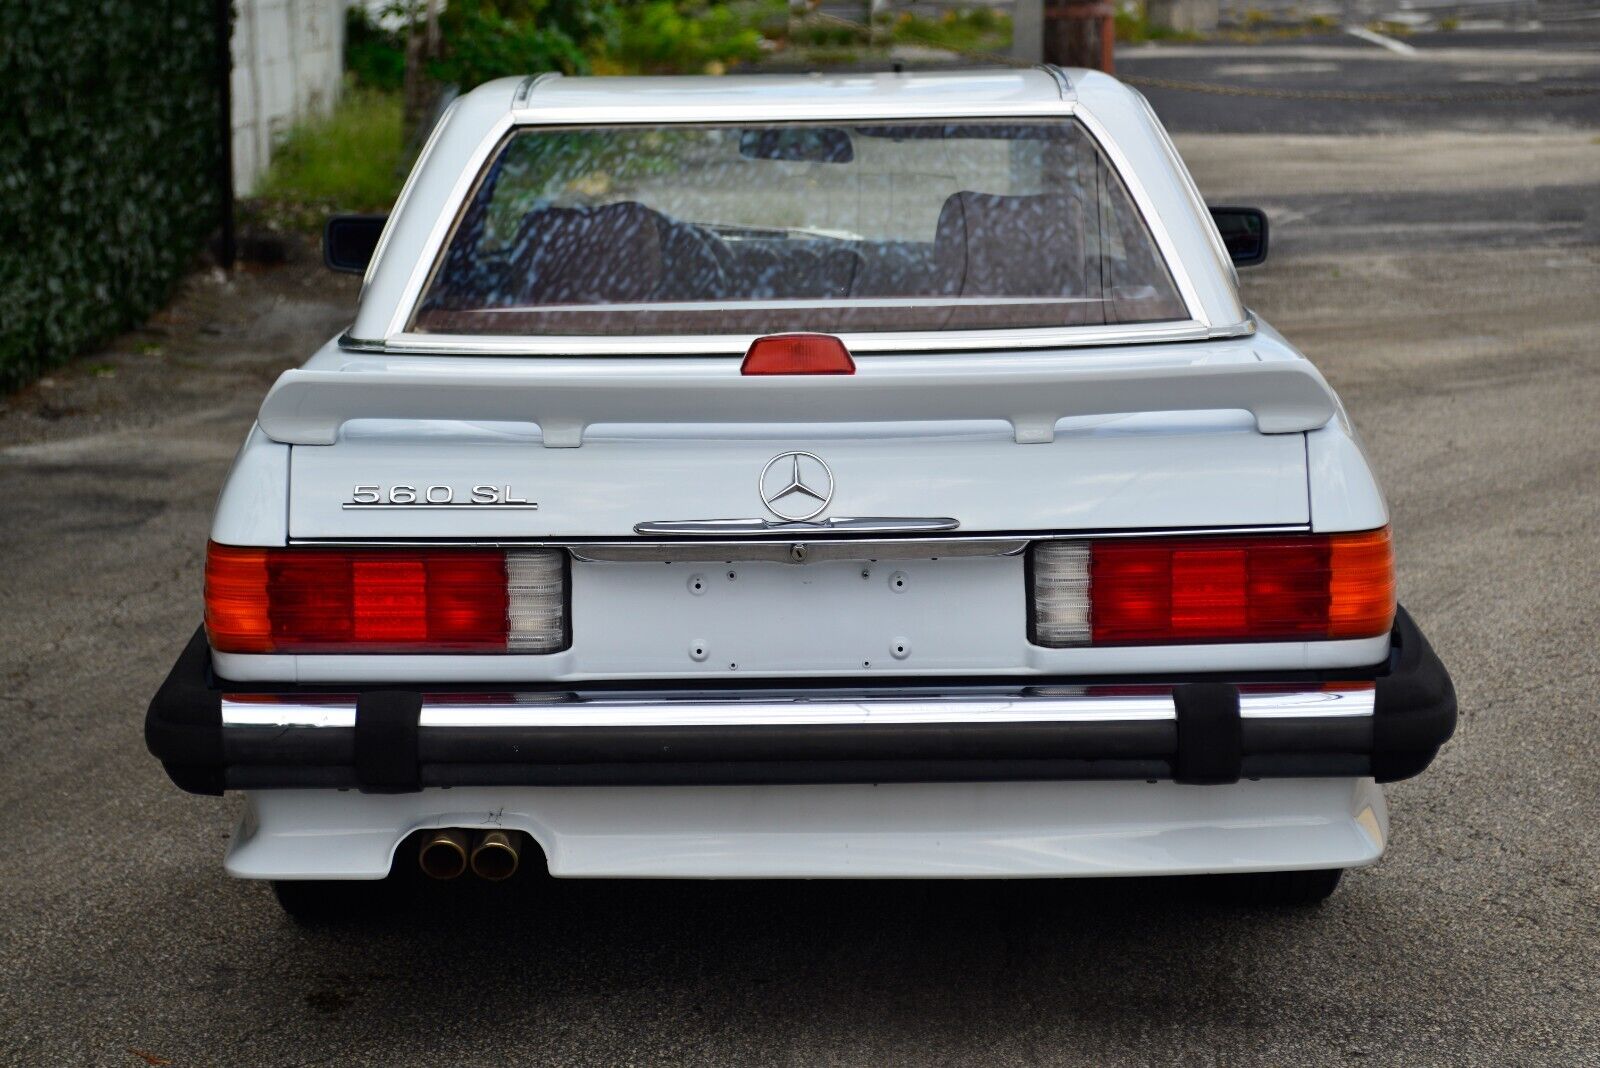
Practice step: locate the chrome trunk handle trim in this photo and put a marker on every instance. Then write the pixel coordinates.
(766, 528)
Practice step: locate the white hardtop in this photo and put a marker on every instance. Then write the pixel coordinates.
(1117, 117)
(858, 95)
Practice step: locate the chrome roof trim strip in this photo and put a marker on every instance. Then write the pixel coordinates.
(1059, 76)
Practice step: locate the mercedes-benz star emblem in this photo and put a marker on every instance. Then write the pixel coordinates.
(796, 486)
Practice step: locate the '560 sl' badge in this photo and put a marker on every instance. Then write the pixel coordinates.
(402, 495)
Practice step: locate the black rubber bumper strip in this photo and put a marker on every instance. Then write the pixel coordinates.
(385, 742)
(1414, 714)
(1210, 736)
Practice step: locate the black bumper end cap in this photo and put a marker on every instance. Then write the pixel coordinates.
(183, 727)
(1414, 709)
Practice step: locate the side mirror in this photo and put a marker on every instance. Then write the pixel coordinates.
(1244, 232)
(348, 241)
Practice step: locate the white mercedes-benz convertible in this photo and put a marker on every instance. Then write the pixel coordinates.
(852, 476)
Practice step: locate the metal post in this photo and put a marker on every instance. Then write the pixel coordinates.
(1080, 33)
(228, 245)
(1027, 31)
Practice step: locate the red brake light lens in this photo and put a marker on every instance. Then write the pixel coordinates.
(1181, 590)
(384, 600)
(797, 354)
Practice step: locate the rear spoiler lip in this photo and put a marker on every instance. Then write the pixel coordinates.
(564, 398)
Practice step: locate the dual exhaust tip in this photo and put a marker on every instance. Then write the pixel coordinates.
(492, 855)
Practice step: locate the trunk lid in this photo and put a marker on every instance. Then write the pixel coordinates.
(387, 479)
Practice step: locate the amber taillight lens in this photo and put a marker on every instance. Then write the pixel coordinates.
(1206, 588)
(295, 600)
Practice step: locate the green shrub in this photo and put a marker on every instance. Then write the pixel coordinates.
(346, 161)
(485, 39)
(1134, 27)
(975, 31)
(110, 161)
(374, 57)
(684, 36)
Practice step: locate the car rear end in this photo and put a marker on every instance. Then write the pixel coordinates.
(874, 492)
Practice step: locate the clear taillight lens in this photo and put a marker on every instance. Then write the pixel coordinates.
(296, 600)
(1178, 590)
(536, 585)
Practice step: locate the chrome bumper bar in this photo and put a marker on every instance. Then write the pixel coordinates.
(1388, 722)
(577, 710)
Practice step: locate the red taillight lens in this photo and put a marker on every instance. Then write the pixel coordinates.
(384, 600)
(1213, 589)
(797, 354)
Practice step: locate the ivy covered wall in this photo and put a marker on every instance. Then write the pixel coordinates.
(110, 144)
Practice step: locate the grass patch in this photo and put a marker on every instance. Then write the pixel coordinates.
(978, 31)
(348, 160)
(1134, 27)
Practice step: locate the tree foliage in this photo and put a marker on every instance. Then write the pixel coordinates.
(486, 39)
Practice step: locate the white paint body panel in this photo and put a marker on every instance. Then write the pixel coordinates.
(565, 396)
(935, 830)
(1110, 472)
(253, 507)
(1118, 473)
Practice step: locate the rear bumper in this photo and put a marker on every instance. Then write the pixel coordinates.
(961, 830)
(1387, 723)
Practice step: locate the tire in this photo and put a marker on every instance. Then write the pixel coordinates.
(322, 903)
(1279, 889)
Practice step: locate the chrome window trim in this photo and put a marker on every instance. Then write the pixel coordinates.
(400, 338)
(1197, 200)
(466, 181)
(736, 344)
(923, 341)
(563, 710)
(1175, 264)
(406, 190)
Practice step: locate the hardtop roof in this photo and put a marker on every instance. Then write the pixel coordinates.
(466, 138)
(880, 93)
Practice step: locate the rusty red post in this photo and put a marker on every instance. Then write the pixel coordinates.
(1080, 33)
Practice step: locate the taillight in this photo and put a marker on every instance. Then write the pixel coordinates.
(797, 354)
(1177, 590)
(297, 600)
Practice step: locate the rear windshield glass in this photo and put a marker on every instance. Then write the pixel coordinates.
(764, 229)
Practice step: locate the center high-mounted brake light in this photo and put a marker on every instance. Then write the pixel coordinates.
(797, 354)
(1212, 588)
(295, 600)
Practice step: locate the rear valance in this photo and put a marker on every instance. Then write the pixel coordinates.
(566, 396)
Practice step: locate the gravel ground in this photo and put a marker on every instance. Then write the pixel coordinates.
(1469, 359)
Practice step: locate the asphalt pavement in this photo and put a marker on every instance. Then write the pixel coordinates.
(1448, 288)
(1466, 82)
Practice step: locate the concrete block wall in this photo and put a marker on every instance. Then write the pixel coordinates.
(288, 63)
(1192, 16)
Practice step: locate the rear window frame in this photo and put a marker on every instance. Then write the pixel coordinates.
(1192, 327)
